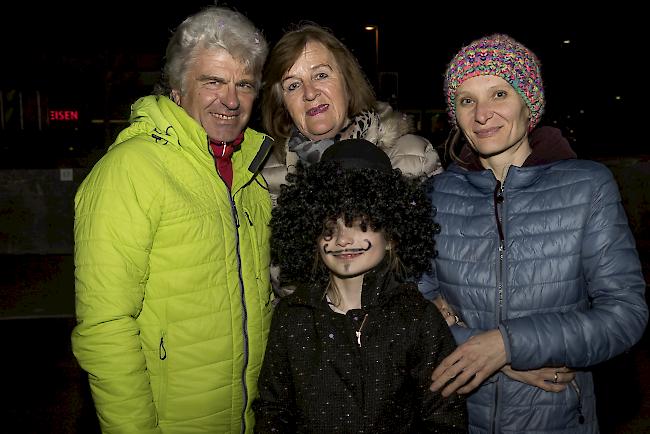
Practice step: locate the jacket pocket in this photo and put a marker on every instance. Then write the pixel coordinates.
(161, 394)
(252, 235)
(575, 388)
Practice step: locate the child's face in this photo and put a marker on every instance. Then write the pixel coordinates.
(351, 251)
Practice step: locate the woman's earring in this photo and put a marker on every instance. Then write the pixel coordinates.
(175, 97)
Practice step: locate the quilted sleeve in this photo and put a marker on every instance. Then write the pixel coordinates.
(113, 232)
(617, 314)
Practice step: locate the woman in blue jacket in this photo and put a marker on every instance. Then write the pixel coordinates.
(537, 264)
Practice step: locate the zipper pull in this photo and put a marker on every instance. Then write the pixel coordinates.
(235, 215)
(581, 417)
(162, 352)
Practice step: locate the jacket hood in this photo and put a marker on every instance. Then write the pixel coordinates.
(163, 121)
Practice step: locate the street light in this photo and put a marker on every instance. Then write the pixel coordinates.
(375, 28)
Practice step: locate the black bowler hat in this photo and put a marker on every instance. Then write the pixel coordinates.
(357, 154)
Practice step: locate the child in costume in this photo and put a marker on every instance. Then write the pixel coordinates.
(352, 349)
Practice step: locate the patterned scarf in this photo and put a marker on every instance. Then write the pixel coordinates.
(364, 125)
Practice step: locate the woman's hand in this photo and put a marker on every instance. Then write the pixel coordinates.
(447, 312)
(549, 379)
(470, 364)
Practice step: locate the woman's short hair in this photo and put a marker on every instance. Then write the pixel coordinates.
(386, 200)
(212, 28)
(275, 117)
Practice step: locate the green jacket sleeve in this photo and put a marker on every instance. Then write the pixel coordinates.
(113, 231)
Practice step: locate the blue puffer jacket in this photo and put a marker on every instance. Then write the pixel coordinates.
(559, 277)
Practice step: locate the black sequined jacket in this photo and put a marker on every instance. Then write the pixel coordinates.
(316, 378)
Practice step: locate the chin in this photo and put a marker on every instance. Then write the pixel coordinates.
(489, 148)
(350, 274)
(224, 135)
(321, 133)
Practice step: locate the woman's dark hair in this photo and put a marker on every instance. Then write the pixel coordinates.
(325, 191)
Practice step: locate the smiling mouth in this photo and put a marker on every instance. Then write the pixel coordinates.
(223, 117)
(317, 110)
(488, 132)
(348, 253)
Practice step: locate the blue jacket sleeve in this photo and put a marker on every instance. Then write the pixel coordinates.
(616, 315)
(428, 284)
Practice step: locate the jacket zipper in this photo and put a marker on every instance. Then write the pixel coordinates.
(235, 216)
(244, 315)
(498, 211)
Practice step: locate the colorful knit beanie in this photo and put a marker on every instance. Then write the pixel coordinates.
(501, 56)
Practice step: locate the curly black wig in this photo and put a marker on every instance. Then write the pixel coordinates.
(323, 192)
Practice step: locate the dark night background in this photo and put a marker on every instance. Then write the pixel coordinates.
(96, 58)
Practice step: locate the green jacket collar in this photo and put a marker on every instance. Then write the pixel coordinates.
(166, 123)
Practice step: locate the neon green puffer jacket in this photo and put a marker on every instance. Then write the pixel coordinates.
(173, 299)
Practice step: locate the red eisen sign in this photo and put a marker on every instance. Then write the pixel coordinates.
(64, 115)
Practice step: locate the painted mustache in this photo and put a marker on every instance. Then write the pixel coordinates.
(347, 251)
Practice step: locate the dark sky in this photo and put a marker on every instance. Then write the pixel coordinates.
(52, 44)
(414, 42)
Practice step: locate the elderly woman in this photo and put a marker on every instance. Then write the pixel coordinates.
(315, 94)
(536, 259)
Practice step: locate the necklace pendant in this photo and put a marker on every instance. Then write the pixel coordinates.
(358, 332)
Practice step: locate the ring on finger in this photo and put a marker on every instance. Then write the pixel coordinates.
(555, 377)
